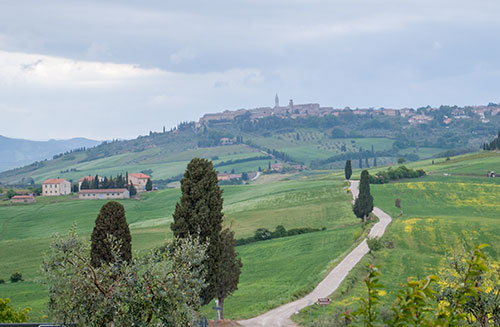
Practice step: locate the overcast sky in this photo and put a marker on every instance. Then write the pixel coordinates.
(118, 69)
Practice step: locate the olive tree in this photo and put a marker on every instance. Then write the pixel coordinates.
(161, 288)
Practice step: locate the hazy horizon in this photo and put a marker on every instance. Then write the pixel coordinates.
(107, 70)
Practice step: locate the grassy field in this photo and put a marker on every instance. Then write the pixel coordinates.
(304, 201)
(440, 213)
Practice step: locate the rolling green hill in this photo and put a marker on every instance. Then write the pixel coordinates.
(455, 205)
(296, 201)
(318, 142)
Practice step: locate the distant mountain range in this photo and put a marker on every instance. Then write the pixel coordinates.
(18, 152)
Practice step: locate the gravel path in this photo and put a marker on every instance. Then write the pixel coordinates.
(280, 317)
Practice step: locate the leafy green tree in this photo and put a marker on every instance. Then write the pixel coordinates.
(9, 315)
(230, 269)
(401, 161)
(363, 205)
(244, 176)
(10, 193)
(149, 185)
(110, 223)
(199, 214)
(161, 288)
(131, 189)
(348, 170)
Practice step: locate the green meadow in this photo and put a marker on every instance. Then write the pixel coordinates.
(440, 213)
(274, 271)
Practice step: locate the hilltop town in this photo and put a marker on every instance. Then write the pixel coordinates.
(414, 116)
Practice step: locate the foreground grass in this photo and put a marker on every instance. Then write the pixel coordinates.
(293, 264)
(440, 213)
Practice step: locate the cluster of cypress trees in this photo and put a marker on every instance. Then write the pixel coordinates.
(119, 181)
(493, 145)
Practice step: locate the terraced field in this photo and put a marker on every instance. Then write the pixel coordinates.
(292, 265)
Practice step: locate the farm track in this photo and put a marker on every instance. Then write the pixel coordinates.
(280, 316)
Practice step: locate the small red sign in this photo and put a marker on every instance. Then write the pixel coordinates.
(324, 301)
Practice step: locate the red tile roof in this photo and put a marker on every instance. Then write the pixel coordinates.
(22, 197)
(89, 178)
(139, 175)
(104, 190)
(54, 181)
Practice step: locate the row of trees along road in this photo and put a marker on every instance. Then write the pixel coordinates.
(101, 285)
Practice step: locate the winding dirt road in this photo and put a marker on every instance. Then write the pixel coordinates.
(280, 317)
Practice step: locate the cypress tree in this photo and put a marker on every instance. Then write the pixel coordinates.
(131, 190)
(360, 163)
(363, 205)
(199, 214)
(110, 221)
(375, 162)
(95, 184)
(230, 269)
(348, 169)
(85, 184)
(149, 185)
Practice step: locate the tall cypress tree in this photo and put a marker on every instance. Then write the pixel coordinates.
(360, 163)
(149, 185)
(348, 170)
(131, 190)
(363, 205)
(199, 214)
(95, 184)
(230, 269)
(110, 221)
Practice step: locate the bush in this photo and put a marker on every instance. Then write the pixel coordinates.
(280, 231)
(374, 244)
(262, 234)
(16, 277)
(383, 177)
(9, 315)
(2, 281)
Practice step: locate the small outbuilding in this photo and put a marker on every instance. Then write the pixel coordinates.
(23, 199)
(104, 194)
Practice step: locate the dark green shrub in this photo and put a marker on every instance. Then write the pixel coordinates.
(16, 277)
(374, 244)
(2, 281)
(280, 231)
(262, 234)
